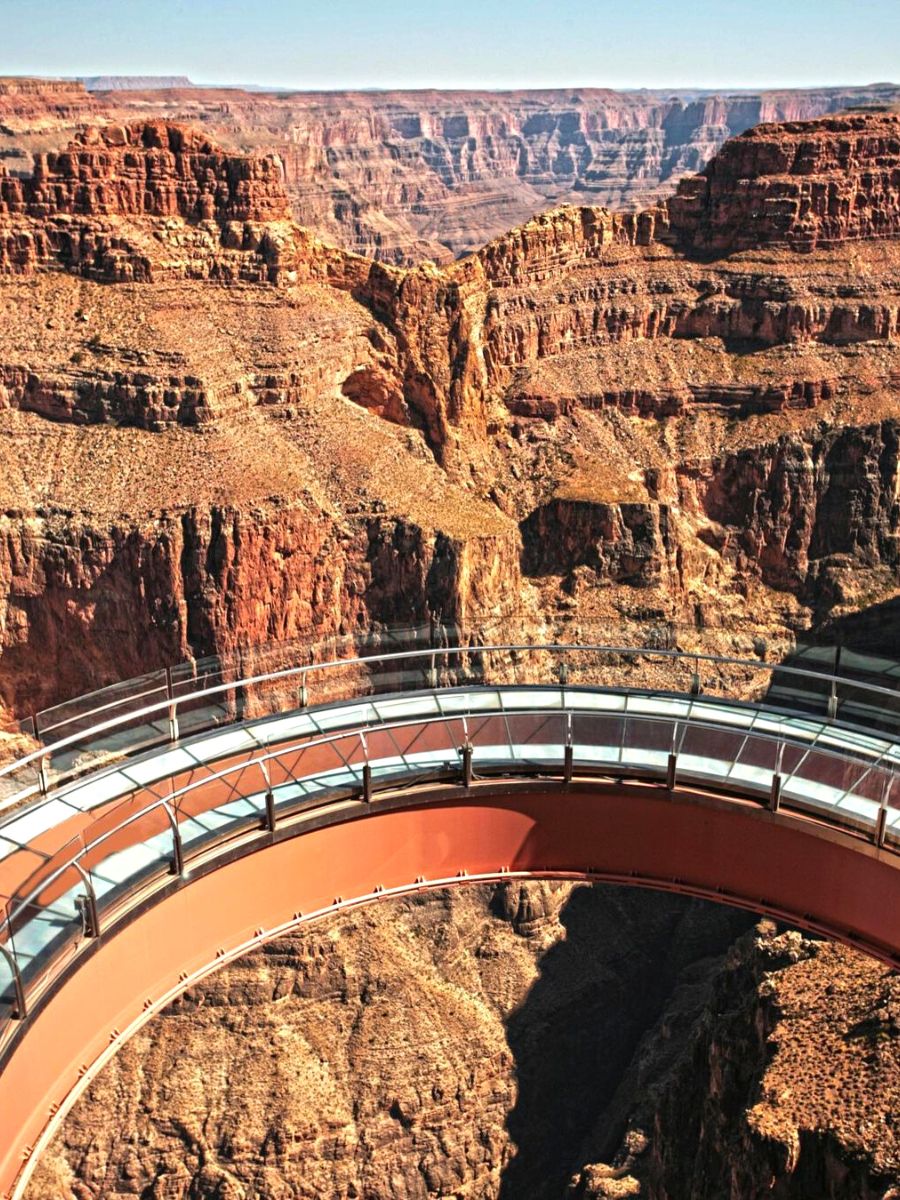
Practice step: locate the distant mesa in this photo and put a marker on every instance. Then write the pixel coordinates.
(134, 83)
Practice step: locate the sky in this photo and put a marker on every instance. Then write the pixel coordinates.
(459, 43)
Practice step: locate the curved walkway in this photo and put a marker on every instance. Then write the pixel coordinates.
(122, 886)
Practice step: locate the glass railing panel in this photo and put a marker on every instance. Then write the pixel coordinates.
(84, 712)
(140, 847)
(18, 784)
(220, 807)
(708, 751)
(46, 918)
(847, 789)
(320, 768)
(757, 759)
(597, 737)
(647, 743)
(539, 737)
(10, 999)
(433, 749)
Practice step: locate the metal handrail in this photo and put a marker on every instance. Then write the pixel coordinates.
(165, 706)
(173, 796)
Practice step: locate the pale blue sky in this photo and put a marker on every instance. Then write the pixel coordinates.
(459, 43)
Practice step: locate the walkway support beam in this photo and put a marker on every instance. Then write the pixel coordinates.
(633, 833)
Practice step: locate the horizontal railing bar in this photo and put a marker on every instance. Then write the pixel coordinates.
(443, 719)
(93, 711)
(165, 705)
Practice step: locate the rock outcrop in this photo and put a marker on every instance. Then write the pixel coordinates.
(679, 424)
(403, 176)
(526, 1042)
(156, 169)
(73, 207)
(786, 1086)
(800, 185)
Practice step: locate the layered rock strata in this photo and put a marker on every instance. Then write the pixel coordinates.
(530, 1042)
(403, 176)
(795, 185)
(588, 416)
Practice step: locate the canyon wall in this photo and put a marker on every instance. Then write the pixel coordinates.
(156, 169)
(403, 176)
(522, 1042)
(475, 441)
(795, 185)
(679, 423)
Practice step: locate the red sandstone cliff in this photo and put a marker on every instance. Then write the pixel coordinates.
(403, 176)
(800, 185)
(156, 169)
(492, 414)
(222, 432)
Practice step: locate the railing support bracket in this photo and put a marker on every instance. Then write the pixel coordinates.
(87, 905)
(775, 794)
(20, 1012)
(671, 768)
(467, 764)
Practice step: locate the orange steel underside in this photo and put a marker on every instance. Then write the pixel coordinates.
(783, 864)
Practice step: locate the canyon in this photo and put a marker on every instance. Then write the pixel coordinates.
(224, 432)
(676, 423)
(407, 176)
(526, 1040)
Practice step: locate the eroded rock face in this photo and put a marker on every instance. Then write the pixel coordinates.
(785, 1087)
(117, 600)
(71, 208)
(403, 176)
(804, 508)
(585, 416)
(156, 169)
(801, 185)
(622, 543)
(529, 1041)
(411, 1050)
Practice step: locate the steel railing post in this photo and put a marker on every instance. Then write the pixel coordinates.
(672, 763)
(467, 765)
(269, 818)
(20, 1011)
(466, 752)
(177, 865)
(832, 707)
(775, 791)
(173, 707)
(366, 770)
(696, 686)
(568, 752)
(881, 820)
(90, 920)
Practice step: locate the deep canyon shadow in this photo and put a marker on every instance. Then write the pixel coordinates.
(573, 1037)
